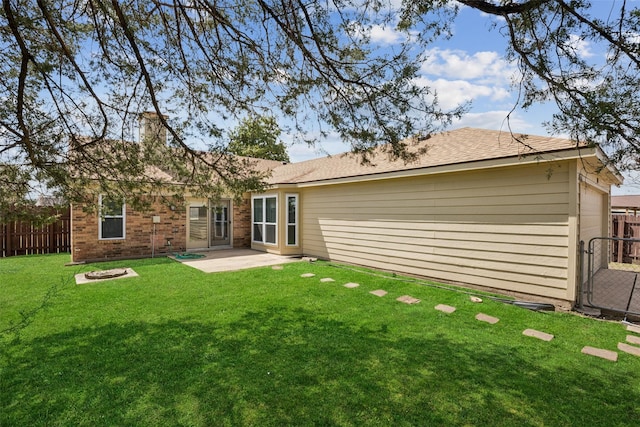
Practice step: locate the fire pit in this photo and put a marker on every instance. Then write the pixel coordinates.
(103, 275)
(106, 274)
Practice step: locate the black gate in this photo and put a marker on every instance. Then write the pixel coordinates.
(610, 281)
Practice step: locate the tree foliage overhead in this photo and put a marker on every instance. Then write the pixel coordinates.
(257, 137)
(76, 74)
(597, 97)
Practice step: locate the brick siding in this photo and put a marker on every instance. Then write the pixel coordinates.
(139, 237)
(242, 224)
(139, 241)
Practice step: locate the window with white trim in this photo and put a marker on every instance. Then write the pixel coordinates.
(265, 218)
(292, 220)
(112, 219)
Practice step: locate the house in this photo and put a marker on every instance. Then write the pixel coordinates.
(625, 205)
(480, 207)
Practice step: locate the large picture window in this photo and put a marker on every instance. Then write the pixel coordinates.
(292, 219)
(112, 219)
(265, 218)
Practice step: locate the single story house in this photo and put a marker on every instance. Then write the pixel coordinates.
(478, 207)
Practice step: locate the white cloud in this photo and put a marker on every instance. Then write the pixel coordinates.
(452, 93)
(632, 37)
(497, 119)
(382, 34)
(581, 47)
(486, 66)
(385, 35)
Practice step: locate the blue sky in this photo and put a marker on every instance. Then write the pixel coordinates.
(470, 67)
(467, 67)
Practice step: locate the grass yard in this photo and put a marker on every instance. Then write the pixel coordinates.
(264, 347)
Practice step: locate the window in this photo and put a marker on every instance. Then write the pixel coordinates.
(265, 218)
(112, 219)
(292, 219)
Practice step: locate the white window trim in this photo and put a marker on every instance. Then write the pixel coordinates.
(296, 221)
(124, 221)
(264, 222)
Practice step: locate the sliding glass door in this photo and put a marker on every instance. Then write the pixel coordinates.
(208, 224)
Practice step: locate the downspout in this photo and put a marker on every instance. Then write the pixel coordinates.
(153, 241)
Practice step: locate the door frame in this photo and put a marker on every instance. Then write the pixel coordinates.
(208, 243)
(225, 222)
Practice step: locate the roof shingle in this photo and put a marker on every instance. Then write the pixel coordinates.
(451, 147)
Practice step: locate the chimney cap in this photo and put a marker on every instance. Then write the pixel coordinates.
(152, 115)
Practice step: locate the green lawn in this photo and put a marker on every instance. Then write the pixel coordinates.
(264, 347)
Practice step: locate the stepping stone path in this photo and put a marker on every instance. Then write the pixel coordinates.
(486, 318)
(379, 293)
(445, 308)
(601, 353)
(631, 349)
(624, 347)
(277, 267)
(632, 328)
(537, 334)
(408, 299)
(592, 351)
(633, 339)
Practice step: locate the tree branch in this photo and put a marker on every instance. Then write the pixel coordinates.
(503, 9)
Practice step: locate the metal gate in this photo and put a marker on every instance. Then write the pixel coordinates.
(610, 275)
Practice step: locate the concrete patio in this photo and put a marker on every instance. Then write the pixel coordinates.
(234, 259)
(617, 290)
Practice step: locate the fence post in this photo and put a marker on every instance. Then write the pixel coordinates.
(621, 225)
(52, 236)
(8, 235)
(3, 241)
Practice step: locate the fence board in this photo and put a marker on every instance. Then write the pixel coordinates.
(27, 238)
(625, 227)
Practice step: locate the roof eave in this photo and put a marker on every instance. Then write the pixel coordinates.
(548, 156)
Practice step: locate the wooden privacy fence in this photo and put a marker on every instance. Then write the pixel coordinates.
(27, 238)
(625, 227)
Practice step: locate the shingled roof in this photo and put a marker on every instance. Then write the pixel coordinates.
(447, 148)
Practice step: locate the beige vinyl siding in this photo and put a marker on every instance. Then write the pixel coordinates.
(593, 222)
(505, 228)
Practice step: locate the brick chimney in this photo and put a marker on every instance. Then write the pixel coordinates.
(152, 132)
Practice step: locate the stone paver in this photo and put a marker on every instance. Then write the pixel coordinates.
(445, 308)
(475, 299)
(602, 353)
(327, 280)
(633, 339)
(379, 292)
(307, 275)
(631, 349)
(408, 299)
(486, 318)
(633, 328)
(277, 267)
(82, 280)
(537, 334)
(351, 285)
